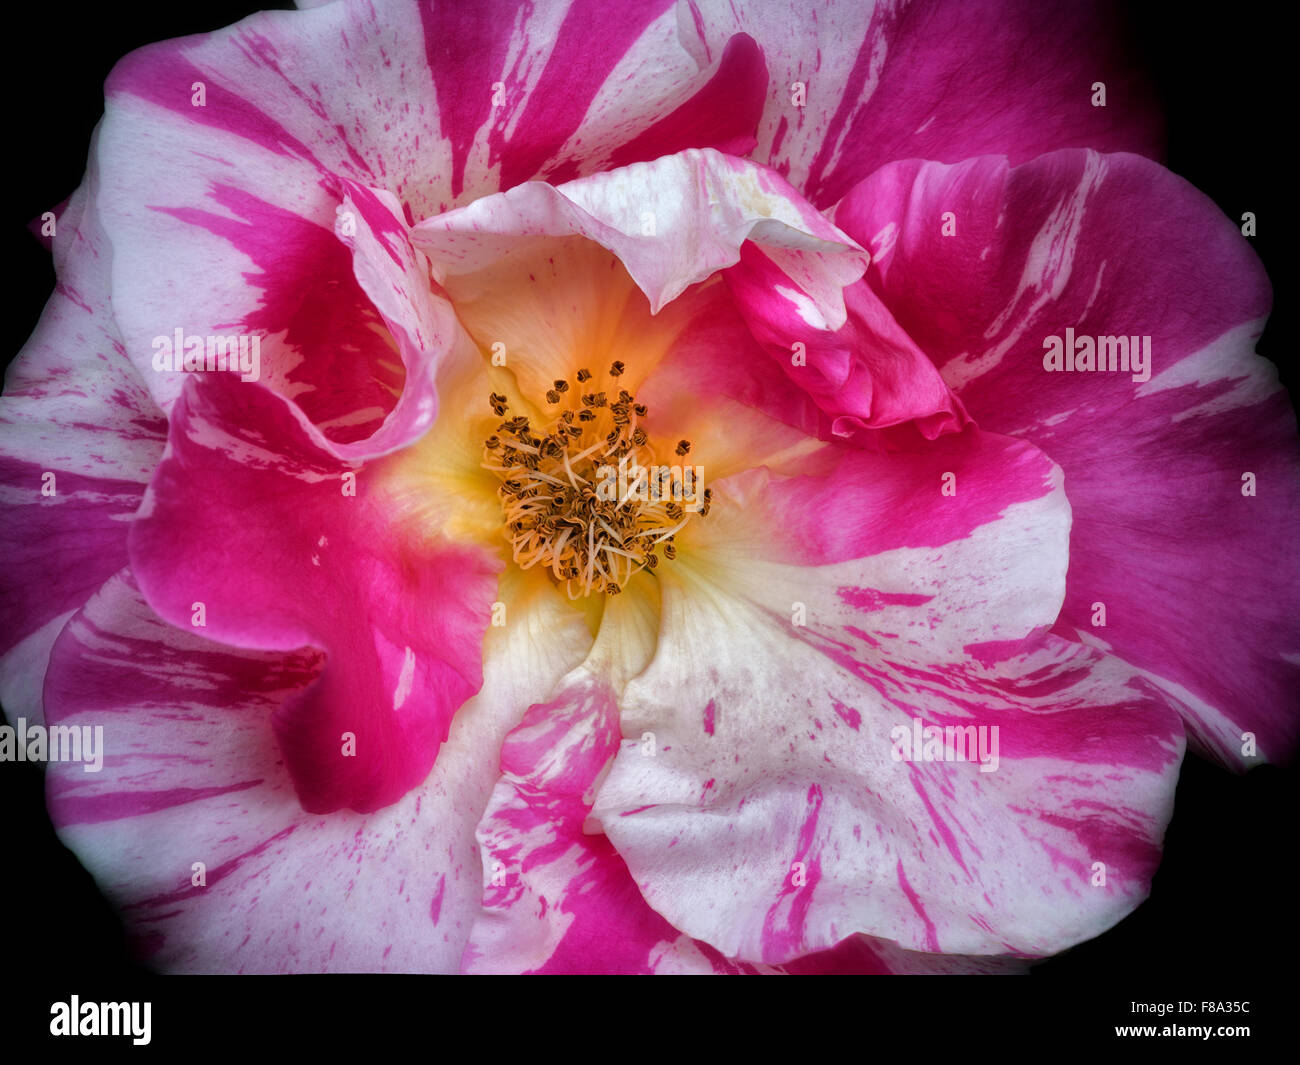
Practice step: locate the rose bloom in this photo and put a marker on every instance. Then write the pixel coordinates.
(322, 490)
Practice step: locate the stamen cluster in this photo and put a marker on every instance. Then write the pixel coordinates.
(556, 513)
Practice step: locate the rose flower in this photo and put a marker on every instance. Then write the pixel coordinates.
(636, 487)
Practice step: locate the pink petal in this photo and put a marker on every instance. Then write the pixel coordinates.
(287, 279)
(1194, 575)
(238, 192)
(395, 277)
(945, 80)
(556, 900)
(672, 222)
(556, 90)
(774, 821)
(191, 774)
(74, 411)
(867, 376)
(557, 896)
(248, 516)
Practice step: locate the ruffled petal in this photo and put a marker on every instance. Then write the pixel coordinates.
(946, 80)
(777, 818)
(329, 299)
(224, 155)
(1186, 486)
(559, 899)
(871, 381)
(672, 222)
(264, 540)
(79, 439)
(550, 280)
(190, 774)
(556, 898)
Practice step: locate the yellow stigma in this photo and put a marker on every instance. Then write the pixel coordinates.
(582, 497)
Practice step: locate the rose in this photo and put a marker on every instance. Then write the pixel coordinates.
(760, 365)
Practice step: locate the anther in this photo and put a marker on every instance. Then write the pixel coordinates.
(557, 512)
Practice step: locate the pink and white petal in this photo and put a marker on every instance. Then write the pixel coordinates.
(672, 222)
(597, 85)
(237, 192)
(79, 438)
(719, 109)
(775, 820)
(868, 376)
(1197, 579)
(251, 523)
(250, 257)
(280, 98)
(559, 899)
(240, 197)
(459, 101)
(191, 774)
(556, 897)
(944, 81)
(421, 325)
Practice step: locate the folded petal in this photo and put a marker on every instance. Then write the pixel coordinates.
(549, 280)
(672, 222)
(224, 155)
(777, 817)
(857, 85)
(258, 536)
(79, 438)
(191, 774)
(330, 291)
(1186, 486)
(868, 376)
(557, 898)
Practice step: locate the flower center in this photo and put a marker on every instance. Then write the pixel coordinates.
(576, 495)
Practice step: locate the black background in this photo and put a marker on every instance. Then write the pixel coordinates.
(1220, 918)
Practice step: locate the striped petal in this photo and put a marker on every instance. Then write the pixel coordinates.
(1184, 472)
(261, 538)
(79, 438)
(191, 775)
(815, 622)
(857, 85)
(672, 222)
(226, 155)
(557, 897)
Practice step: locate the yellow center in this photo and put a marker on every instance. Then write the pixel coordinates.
(583, 496)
